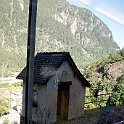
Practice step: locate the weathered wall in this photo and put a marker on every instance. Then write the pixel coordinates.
(77, 92)
(39, 113)
(77, 99)
(23, 100)
(51, 101)
(40, 95)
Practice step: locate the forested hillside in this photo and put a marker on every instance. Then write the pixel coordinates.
(107, 76)
(60, 27)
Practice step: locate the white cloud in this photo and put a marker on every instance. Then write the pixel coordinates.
(87, 2)
(111, 13)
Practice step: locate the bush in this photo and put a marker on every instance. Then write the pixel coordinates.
(10, 86)
(4, 85)
(118, 93)
(4, 105)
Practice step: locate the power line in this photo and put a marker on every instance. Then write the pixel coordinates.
(101, 13)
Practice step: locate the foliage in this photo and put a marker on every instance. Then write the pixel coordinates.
(101, 82)
(114, 57)
(7, 62)
(5, 100)
(4, 85)
(94, 67)
(4, 105)
(11, 86)
(118, 93)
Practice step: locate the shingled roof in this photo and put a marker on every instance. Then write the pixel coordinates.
(48, 62)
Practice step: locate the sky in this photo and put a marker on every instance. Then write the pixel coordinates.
(111, 12)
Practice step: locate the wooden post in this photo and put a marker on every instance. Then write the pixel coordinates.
(30, 61)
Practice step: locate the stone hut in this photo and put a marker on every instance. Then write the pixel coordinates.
(58, 89)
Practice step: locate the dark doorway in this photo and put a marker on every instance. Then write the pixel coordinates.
(63, 100)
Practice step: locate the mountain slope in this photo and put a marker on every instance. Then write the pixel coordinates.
(60, 27)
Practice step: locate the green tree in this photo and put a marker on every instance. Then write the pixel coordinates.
(118, 93)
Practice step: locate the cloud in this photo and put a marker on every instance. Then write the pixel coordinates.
(111, 13)
(87, 2)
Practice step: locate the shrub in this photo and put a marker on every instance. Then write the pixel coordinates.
(118, 93)
(4, 105)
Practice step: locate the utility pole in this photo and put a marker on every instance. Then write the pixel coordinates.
(30, 61)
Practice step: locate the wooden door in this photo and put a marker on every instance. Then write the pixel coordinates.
(63, 102)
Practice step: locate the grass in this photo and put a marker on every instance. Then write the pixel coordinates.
(11, 87)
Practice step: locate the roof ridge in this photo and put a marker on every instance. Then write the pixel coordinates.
(53, 53)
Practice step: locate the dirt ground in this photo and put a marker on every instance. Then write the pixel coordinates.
(89, 117)
(106, 115)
